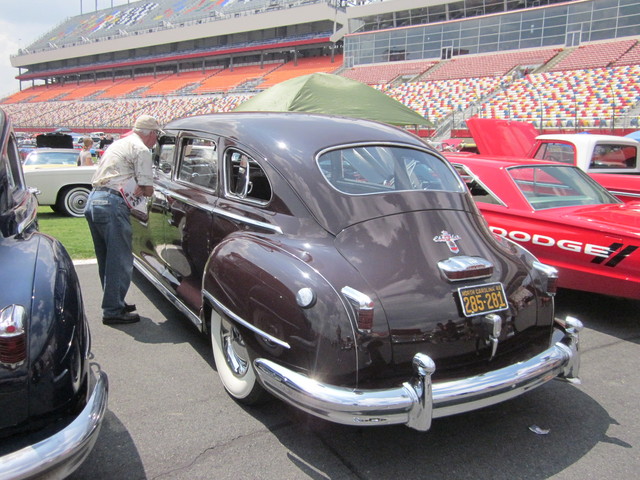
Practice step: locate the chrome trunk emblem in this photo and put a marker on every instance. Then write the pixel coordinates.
(449, 238)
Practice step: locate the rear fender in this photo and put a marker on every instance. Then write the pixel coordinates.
(254, 283)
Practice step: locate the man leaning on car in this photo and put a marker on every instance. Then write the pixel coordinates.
(126, 161)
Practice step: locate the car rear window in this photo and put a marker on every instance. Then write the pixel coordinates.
(51, 158)
(369, 169)
(553, 186)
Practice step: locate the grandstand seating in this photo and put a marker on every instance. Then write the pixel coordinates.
(630, 57)
(128, 86)
(591, 95)
(494, 85)
(304, 66)
(595, 55)
(231, 78)
(87, 89)
(177, 82)
(387, 72)
(489, 65)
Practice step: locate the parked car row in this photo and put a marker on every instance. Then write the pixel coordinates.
(340, 265)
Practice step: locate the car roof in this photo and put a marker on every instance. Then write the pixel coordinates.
(302, 132)
(290, 142)
(589, 138)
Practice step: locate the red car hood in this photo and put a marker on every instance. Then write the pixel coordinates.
(622, 218)
(505, 138)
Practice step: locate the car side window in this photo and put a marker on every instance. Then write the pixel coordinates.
(10, 174)
(613, 156)
(198, 163)
(164, 157)
(245, 178)
(556, 152)
(478, 190)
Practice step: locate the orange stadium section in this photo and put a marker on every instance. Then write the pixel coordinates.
(127, 87)
(86, 90)
(54, 91)
(231, 78)
(304, 66)
(174, 84)
(26, 95)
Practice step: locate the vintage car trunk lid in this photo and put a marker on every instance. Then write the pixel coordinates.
(423, 308)
(16, 256)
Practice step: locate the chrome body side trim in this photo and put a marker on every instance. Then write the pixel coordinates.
(60, 454)
(141, 267)
(223, 213)
(243, 322)
(418, 400)
(625, 194)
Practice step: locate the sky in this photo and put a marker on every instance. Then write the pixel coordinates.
(24, 21)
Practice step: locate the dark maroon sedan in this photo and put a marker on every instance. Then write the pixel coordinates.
(342, 266)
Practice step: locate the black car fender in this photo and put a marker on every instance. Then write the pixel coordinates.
(257, 283)
(55, 371)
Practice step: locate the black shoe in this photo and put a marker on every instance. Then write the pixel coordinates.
(124, 317)
(128, 308)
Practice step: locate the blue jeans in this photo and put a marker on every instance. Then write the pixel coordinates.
(110, 226)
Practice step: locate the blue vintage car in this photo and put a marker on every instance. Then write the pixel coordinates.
(52, 397)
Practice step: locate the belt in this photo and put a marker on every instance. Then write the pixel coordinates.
(107, 189)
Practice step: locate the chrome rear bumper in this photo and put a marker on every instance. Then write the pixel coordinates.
(419, 400)
(60, 454)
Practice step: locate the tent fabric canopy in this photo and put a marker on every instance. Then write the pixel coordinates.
(333, 95)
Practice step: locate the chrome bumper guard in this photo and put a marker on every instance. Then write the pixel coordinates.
(419, 400)
(59, 455)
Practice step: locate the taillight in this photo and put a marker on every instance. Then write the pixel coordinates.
(13, 337)
(362, 306)
(549, 277)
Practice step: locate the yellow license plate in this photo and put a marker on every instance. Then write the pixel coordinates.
(481, 299)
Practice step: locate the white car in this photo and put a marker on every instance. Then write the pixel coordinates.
(64, 187)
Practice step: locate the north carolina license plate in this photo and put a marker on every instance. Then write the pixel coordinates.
(481, 299)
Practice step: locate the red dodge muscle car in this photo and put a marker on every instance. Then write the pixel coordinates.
(563, 217)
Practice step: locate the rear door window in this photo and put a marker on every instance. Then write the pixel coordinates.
(198, 165)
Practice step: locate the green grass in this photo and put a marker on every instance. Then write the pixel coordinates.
(72, 232)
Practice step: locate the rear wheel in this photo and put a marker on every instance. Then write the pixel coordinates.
(233, 363)
(72, 201)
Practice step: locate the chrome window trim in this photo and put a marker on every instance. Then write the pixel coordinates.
(480, 182)
(425, 149)
(225, 179)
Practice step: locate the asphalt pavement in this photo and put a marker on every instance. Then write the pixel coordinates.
(170, 418)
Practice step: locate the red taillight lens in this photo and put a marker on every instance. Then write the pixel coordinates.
(13, 337)
(365, 319)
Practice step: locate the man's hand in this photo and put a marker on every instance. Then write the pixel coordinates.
(143, 190)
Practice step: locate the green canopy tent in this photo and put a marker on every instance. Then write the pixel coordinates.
(333, 95)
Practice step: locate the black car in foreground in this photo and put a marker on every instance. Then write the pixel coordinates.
(342, 266)
(52, 397)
